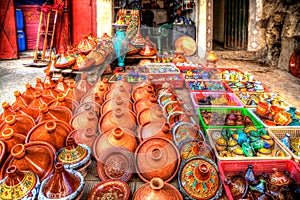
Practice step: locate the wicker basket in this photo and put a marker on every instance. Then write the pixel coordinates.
(279, 133)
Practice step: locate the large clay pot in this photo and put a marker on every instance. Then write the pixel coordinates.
(191, 148)
(58, 113)
(89, 106)
(144, 103)
(110, 189)
(2, 151)
(26, 183)
(22, 99)
(116, 102)
(184, 131)
(19, 123)
(54, 132)
(117, 137)
(155, 129)
(142, 92)
(61, 86)
(40, 99)
(75, 156)
(35, 156)
(118, 117)
(122, 82)
(11, 138)
(92, 97)
(119, 91)
(70, 184)
(156, 189)
(152, 114)
(115, 163)
(196, 172)
(64, 101)
(83, 120)
(157, 157)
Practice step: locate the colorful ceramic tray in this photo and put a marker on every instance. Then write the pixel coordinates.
(186, 43)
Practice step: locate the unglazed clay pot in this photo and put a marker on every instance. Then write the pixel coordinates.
(152, 114)
(73, 93)
(83, 86)
(48, 80)
(58, 113)
(156, 189)
(49, 91)
(11, 138)
(89, 106)
(191, 148)
(54, 132)
(103, 83)
(39, 85)
(144, 103)
(75, 156)
(142, 92)
(2, 151)
(196, 172)
(70, 184)
(39, 99)
(29, 90)
(155, 129)
(92, 97)
(61, 86)
(119, 91)
(21, 110)
(184, 131)
(157, 157)
(122, 82)
(61, 100)
(119, 117)
(83, 120)
(117, 137)
(116, 102)
(115, 163)
(35, 156)
(22, 99)
(25, 182)
(19, 123)
(7, 110)
(100, 91)
(110, 189)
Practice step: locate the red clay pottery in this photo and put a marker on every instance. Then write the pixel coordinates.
(35, 156)
(39, 99)
(49, 91)
(54, 132)
(122, 82)
(119, 117)
(119, 91)
(100, 90)
(11, 138)
(21, 110)
(117, 137)
(29, 90)
(7, 110)
(142, 92)
(262, 108)
(104, 82)
(2, 151)
(115, 163)
(83, 86)
(89, 106)
(143, 103)
(19, 185)
(110, 189)
(116, 102)
(157, 157)
(73, 93)
(58, 112)
(48, 80)
(198, 178)
(184, 131)
(75, 156)
(19, 123)
(92, 97)
(191, 148)
(22, 99)
(61, 86)
(61, 100)
(155, 129)
(152, 114)
(62, 184)
(156, 189)
(39, 85)
(83, 120)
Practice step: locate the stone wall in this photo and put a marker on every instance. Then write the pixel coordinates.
(280, 25)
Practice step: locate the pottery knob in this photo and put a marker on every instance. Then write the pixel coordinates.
(90, 132)
(91, 116)
(122, 88)
(60, 97)
(5, 105)
(118, 133)
(119, 100)
(17, 93)
(202, 172)
(50, 126)
(153, 98)
(101, 88)
(18, 151)
(70, 143)
(156, 183)
(118, 112)
(105, 80)
(156, 154)
(7, 133)
(43, 108)
(28, 86)
(72, 84)
(10, 119)
(12, 171)
(36, 94)
(87, 106)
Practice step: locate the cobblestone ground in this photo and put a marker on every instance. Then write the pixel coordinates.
(14, 75)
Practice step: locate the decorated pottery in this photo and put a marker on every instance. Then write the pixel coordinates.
(149, 48)
(157, 157)
(22, 99)
(157, 189)
(143, 103)
(152, 114)
(177, 117)
(19, 123)
(278, 178)
(83, 120)
(115, 163)
(97, 56)
(11, 138)
(70, 185)
(117, 137)
(172, 106)
(119, 117)
(19, 185)
(89, 106)
(116, 102)
(142, 92)
(35, 156)
(155, 129)
(92, 97)
(75, 156)
(64, 101)
(185, 131)
(238, 186)
(198, 178)
(87, 44)
(39, 99)
(110, 189)
(54, 132)
(64, 61)
(268, 139)
(58, 113)
(191, 148)
(119, 91)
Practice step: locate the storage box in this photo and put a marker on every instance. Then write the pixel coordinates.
(202, 74)
(234, 74)
(31, 13)
(236, 86)
(259, 166)
(205, 86)
(130, 78)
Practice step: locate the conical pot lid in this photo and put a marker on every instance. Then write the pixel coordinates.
(58, 112)
(152, 114)
(155, 129)
(62, 100)
(2, 151)
(89, 106)
(194, 147)
(184, 131)
(84, 120)
(11, 138)
(148, 102)
(19, 123)
(116, 102)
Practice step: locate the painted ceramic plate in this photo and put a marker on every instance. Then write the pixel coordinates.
(186, 43)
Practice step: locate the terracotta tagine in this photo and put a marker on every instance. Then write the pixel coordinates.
(122, 82)
(61, 86)
(39, 85)
(198, 178)
(54, 132)
(238, 186)
(2, 151)
(48, 80)
(117, 137)
(157, 157)
(49, 91)
(22, 99)
(191, 148)
(58, 113)
(64, 101)
(110, 189)
(118, 117)
(7, 110)
(115, 163)
(155, 129)
(11, 138)
(19, 123)
(83, 120)
(70, 185)
(35, 156)
(89, 106)
(25, 182)
(279, 178)
(184, 131)
(152, 114)
(39, 99)
(143, 103)
(119, 91)
(21, 110)
(104, 82)
(75, 156)
(73, 93)
(100, 90)
(156, 189)
(92, 97)
(142, 92)
(116, 102)
(83, 86)
(84, 136)
(29, 90)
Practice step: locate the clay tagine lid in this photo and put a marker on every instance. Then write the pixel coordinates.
(115, 163)
(119, 91)
(34, 156)
(155, 129)
(152, 114)
(193, 147)
(11, 138)
(142, 92)
(157, 157)
(198, 178)
(62, 100)
(92, 97)
(184, 131)
(89, 106)
(54, 132)
(156, 189)
(116, 102)
(84, 120)
(58, 113)
(19, 123)
(148, 102)
(25, 182)
(110, 189)
(2, 151)
(70, 184)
